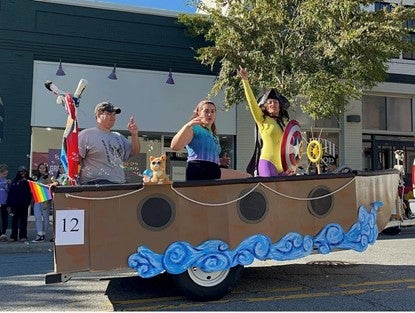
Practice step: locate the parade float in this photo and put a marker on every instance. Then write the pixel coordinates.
(204, 232)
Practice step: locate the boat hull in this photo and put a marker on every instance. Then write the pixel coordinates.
(134, 225)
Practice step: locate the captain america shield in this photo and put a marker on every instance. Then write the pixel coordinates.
(291, 146)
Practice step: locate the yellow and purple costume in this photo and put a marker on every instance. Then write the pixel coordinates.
(271, 133)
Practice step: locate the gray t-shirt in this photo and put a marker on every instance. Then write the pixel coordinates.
(102, 155)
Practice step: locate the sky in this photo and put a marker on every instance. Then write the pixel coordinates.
(172, 5)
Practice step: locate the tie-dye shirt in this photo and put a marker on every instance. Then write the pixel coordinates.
(204, 145)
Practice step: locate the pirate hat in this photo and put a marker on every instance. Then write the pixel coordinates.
(273, 94)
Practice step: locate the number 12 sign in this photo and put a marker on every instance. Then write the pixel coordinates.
(69, 227)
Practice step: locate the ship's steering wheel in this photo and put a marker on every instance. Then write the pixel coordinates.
(314, 151)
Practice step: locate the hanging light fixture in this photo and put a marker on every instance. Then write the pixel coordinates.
(113, 76)
(170, 80)
(60, 71)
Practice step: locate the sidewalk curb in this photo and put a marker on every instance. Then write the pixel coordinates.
(25, 247)
(28, 246)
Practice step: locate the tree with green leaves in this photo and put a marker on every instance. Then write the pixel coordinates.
(319, 53)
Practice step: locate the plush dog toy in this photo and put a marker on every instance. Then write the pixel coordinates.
(400, 156)
(158, 166)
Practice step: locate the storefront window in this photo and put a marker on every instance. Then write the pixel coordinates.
(387, 113)
(374, 112)
(399, 117)
(367, 156)
(379, 152)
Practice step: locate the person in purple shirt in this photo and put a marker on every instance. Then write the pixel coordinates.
(4, 191)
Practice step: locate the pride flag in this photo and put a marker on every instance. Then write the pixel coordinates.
(40, 192)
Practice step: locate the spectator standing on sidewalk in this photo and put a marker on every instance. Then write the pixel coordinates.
(18, 200)
(41, 210)
(61, 176)
(4, 191)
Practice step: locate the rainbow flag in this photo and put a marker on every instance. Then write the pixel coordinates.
(40, 192)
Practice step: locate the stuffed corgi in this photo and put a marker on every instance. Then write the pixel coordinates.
(158, 167)
(400, 156)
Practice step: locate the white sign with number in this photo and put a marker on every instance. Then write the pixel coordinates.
(69, 227)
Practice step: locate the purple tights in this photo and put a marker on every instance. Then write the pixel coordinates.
(267, 169)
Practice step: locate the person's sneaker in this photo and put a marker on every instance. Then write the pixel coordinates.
(39, 238)
(3, 238)
(11, 240)
(24, 239)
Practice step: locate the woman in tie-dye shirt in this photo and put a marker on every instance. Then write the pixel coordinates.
(202, 144)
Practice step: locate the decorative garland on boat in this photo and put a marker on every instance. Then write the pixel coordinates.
(312, 198)
(215, 255)
(215, 204)
(68, 195)
(270, 189)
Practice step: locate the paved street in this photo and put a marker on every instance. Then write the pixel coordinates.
(379, 279)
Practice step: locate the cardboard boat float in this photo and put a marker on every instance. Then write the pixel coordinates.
(204, 232)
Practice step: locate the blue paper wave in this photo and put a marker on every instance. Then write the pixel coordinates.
(215, 255)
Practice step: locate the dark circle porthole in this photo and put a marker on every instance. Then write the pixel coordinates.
(321, 206)
(155, 212)
(252, 207)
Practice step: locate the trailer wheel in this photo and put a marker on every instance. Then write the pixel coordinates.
(202, 286)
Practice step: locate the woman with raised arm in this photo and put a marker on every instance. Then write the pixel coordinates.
(271, 116)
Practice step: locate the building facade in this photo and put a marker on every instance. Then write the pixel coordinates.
(90, 39)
